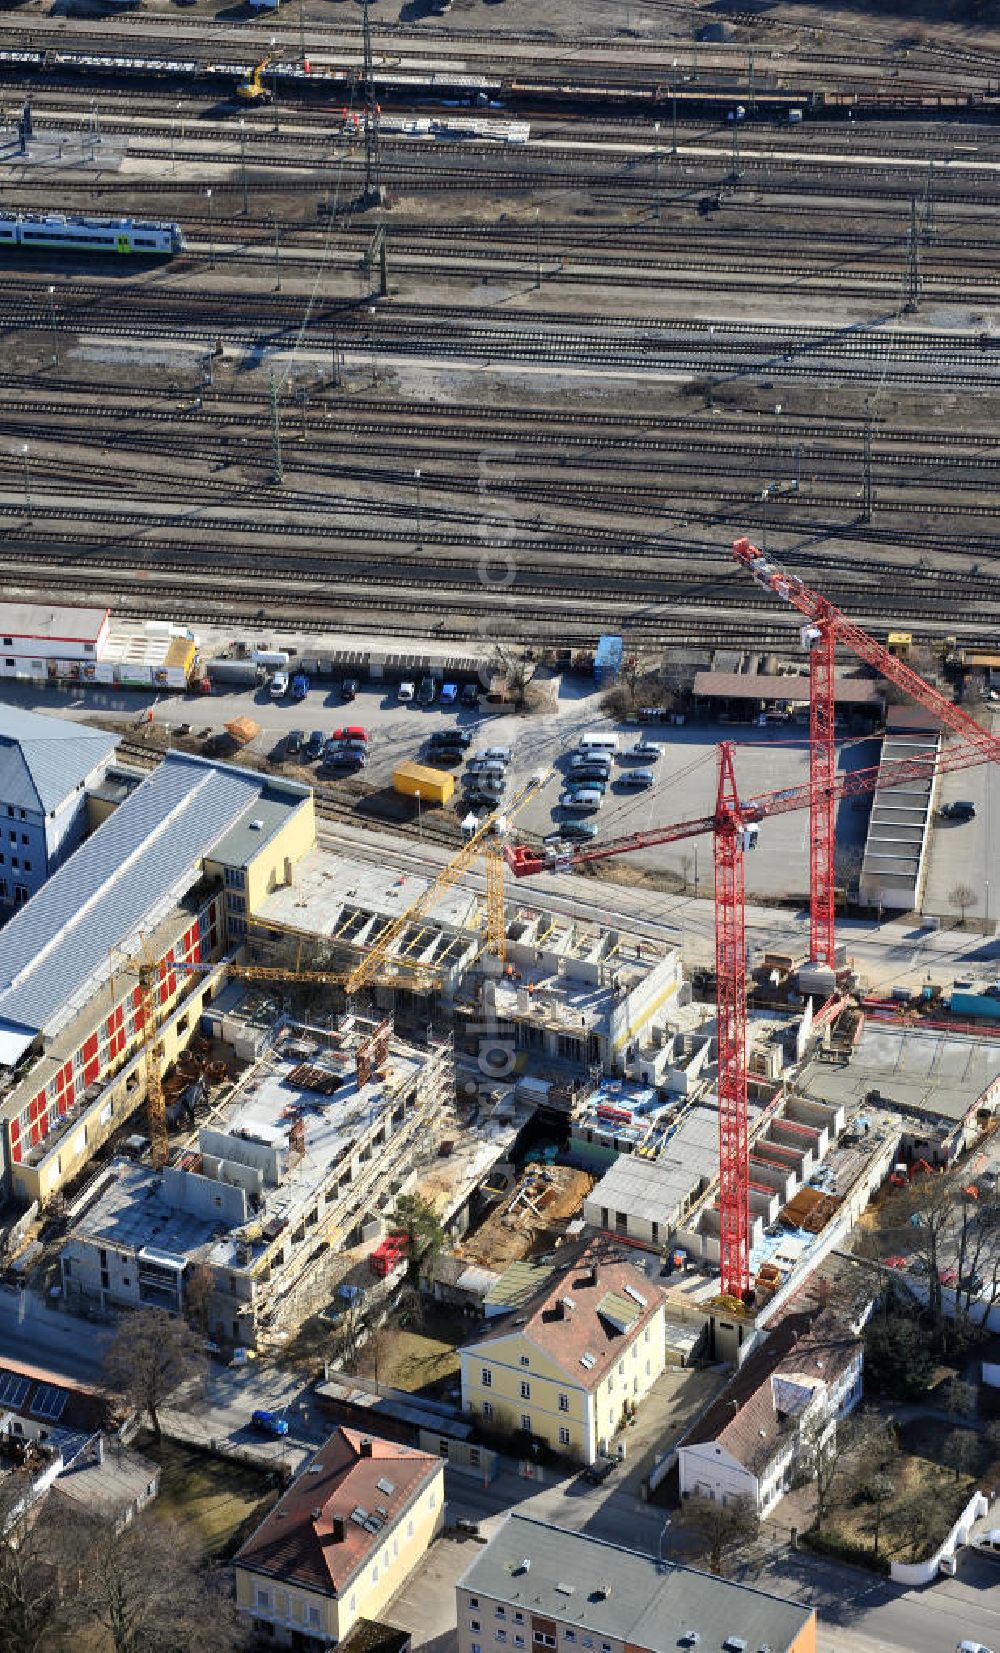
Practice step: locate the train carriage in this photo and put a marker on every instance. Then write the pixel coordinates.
(82, 234)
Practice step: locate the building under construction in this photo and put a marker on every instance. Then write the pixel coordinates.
(306, 1154)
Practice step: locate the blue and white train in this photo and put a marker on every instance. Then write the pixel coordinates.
(53, 230)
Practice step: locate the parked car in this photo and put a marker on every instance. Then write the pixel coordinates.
(962, 810)
(452, 737)
(405, 693)
(971, 1283)
(584, 800)
(279, 685)
(590, 760)
(589, 774)
(349, 688)
(637, 778)
(647, 750)
(344, 757)
(295, 741)
(315, 744)
(449, 694)
(894, 1262)
(271, 1423)
(427, 692)
(469, 694)
(571, 831)
(300, 686)
(499, 754)
(948, 1276)
(583, 784)
(351, 731)
(599, 1470)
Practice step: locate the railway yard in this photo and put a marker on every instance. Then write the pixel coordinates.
(609, 307)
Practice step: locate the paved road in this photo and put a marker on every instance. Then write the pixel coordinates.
(32, 1332)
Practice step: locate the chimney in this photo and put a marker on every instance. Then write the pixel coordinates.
(366, 1446)
(338, 1529)
(593, 1274)
(99, 1449)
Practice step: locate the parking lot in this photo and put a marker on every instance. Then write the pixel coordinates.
(685, 773)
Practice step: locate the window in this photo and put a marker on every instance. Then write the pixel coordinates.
(487, 1378)
(476, 1648)
(474, 1624)
(501, 1635)
(564, 1436)
(525, 1360)
(501, 1612)
(487, 1409)
(518, 1616)
(518, 1641)
(314, 1617)
(263, 1599)
(24, 837)
(569, 1635)
(473, 1601)
(526, 1391)
(27, 866)
(541, 1638)
(564, 1403)
(526, 1423)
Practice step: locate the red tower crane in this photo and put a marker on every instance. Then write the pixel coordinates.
(827, 626)
(734, 825)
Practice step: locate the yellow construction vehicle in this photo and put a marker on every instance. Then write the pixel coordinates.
(252, 89)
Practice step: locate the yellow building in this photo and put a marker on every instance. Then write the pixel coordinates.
(341, 1542)
(576, 1362)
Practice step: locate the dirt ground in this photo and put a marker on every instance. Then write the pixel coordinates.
(514, 1230)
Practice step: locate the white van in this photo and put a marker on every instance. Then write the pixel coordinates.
(279, 685)
(597, 740)
(586, 799)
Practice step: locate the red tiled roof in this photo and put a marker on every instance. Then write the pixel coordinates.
(579, 1312)
(849, 691)
(297, 1540)
(743, 1418)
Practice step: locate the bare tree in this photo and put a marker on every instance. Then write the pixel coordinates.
(960, 1452)
(715, 1531)
(198, 1297)
(963, 896)
(33, 1551)
(832, 1454)
(877, 1490)
(913, 1525)
(147, 1587)
(152, 1355)
(960, 1399)
(517, 670)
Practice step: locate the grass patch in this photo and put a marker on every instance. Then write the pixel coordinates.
(418, 1358)
(215, 1498)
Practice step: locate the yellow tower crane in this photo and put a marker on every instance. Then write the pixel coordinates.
(487, 840)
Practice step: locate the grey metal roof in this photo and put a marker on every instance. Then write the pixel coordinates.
(248, 836)
(123, 879)
(55, 624)
(618, 1593)
(43, 759)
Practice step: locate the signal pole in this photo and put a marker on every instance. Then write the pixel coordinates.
(373, 147)
(277, 468)
(913, 278)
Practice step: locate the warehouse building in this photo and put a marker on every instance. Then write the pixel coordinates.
(47, 766)
(168, 876)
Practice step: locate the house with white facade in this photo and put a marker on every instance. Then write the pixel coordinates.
(752, 1440)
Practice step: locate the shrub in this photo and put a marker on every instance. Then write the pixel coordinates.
(859, 1554)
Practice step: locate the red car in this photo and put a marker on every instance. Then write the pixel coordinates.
(353, 731)
(894, 1262)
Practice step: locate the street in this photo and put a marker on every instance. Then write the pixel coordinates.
(62, 1343)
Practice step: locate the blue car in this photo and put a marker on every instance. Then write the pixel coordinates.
(449, 694)
(272, 1423)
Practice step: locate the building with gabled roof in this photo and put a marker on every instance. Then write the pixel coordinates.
(47, 765)
(575, 1361)
(750, 1441)
(340, 1542)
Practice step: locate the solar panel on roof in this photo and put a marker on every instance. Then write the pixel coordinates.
(386, 1486)
(49, 1402)
(13, 1388)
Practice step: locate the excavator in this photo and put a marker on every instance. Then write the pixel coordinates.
(252, 89)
